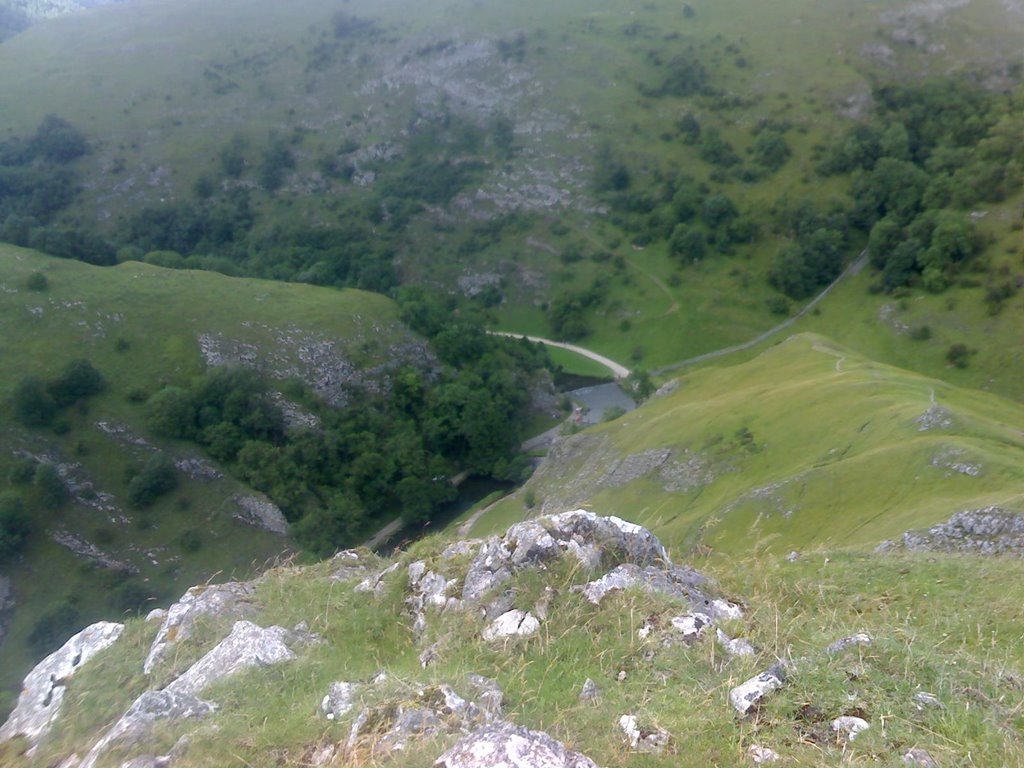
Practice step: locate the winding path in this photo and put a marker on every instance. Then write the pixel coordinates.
(618, 371)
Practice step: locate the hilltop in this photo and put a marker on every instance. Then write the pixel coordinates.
(569, 642)
(809, 444)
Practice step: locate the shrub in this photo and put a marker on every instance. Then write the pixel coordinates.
(15, 525)
(958, 355)
(172, 413)
(37, 282)
(33, 404)
(77, 380)
(53, 492)
(157, 478)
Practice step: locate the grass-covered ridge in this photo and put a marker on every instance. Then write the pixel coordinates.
(941, 625)
(808, 444)
(143, 328)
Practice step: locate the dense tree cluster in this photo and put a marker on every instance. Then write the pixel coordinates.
(37, 402)
(385, 454)
(931, 152)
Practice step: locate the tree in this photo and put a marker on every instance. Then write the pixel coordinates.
(77, 380)
(52, 490)
(15, 525)
(158, 477)
(33, 404)
(58, 141)
(688, 243)
(332, 526)
(718, 209)
(771, 150)
(171, 412)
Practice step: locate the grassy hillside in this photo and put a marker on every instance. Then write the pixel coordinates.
(512, 114)
(143, 328)
(940, 625)
(808, 444)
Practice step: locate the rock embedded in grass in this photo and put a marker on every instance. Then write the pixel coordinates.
(861, 638)
(850, 726)
(748, 695)
(514, 623)
(643, 739)
(504, 745)
(339, 700)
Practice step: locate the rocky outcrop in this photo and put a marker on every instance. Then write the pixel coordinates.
(391, 725)
(247, 646)
(230, 600)
(513, 624)
(985, 531)
(677, 582)
(42, 694)
(504, 745)
(592, 539)
(260, 512)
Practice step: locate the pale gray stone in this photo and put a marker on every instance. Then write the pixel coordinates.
(920, 757)
(375, 583)
(590, 692)
(691, 626)
(735, 646)
(923, 699)
(504, 745)
(676, 581)
(850, 726)
(42, 693)
(226, 600)
(643, 739)
(760, 755)
(489, 696)
(861, 638)
(747, 695)
(514, 623)
(340, 699)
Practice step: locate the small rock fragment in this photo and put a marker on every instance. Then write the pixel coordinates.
(590, 692)
(643, 739)
(762, 755)
(504, 745)
(340, 699)
(861, 638)
(514, 623)
(735, 646)
(793, 556)
(850, 726)
(919, 757)
(923, 700)
(691, 626)
(430, 655)
(747, 695)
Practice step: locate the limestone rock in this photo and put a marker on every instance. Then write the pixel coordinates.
(590, 692)
(347, 564)
(588, 537)
(390, 727)
(747, 695)
(920, 757)
(489, 696)
(149, 761)
(735, 646)
(691, 626)
(340, 699)
(375, 583)
(923, 700)
(504, 745)
(643, 739)
(762, 755)
(260, 512)
(861, 638)
(230, 600)
(247, 646)
(514, 623)
(678, 582)
(43, 691)
(850, 726)
(986, 531)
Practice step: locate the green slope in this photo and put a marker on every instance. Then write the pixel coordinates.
(141, 326)
(161, 88)
(808, 444)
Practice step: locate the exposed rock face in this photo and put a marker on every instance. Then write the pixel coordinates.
(434, 710)
(339, 700)
(221, 600)
(504, 745)
(260, 512)
(588, 537)
(746, 696)
(89, 551)
(247, 646)
(675, 581)
(43, 690)
(987, 531)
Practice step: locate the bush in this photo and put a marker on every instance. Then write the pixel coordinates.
(958, 355)
(15, 525)
(33, 404)
(53, 492)
(77, 380)
(171, 412)
(157, 478)
(37, 282)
